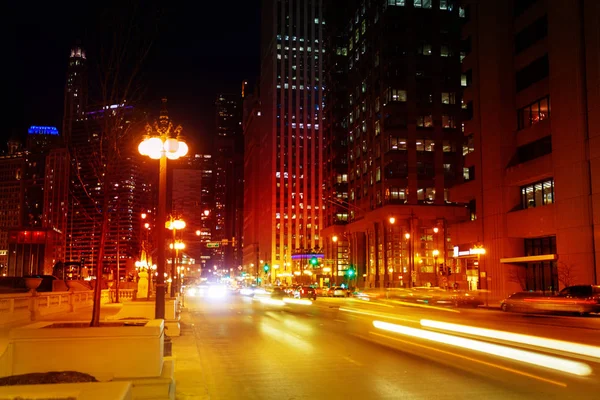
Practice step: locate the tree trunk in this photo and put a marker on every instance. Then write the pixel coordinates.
(95, 322)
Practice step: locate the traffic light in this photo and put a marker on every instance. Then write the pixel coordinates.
(314, 262)
(350, 273)
(441, 269)
(449, 271)
(266, 268)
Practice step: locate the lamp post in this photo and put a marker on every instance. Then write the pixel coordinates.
(410, 260)
(176, 246)
(436, 253)
(161, 142)
(335, 260)
(174, 224)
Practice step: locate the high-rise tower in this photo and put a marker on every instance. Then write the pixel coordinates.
(286, 131)
(75, 89)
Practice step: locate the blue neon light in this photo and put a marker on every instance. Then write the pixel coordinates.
(42, 130)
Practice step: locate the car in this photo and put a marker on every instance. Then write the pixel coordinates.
(305, 292)
(322, 291)
(339, 291)
(517, 302)
(278, 292)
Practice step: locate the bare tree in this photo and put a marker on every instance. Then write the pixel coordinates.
(121, 56)
(566, 273)
(518, 275)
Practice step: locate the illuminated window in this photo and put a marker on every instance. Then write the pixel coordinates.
(401, 3)
(448, 98)
(397, 143)
(448, 121)
(445, 51)
(377, 128)
(396, 95)
(424, 49)
(425, 121)
(537, 194)
(535, 112)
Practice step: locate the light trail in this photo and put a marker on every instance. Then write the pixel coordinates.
(541, 360)
(553, 344)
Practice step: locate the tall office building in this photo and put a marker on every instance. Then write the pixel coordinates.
(288, 138)
(130, 192)
(12, 165)
(395, 102)
(229, 179)
(532, 94)
(76, 89)
(37, 176)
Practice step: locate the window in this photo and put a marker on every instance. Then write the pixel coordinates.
(377, 104)
(448, 171)
(448, 121)
(537, 194)
(533, 150)
(396, 193)
(425, 121)
(468, 145)
(377, 128)
(532, 73)
(535, 112)
(472, 207)
(466, 78)
(448, 146)
(363, 26)
(445, 51)
(378, 174)
(426, 194)
(396, 95)
(429, 145)
(420, 145)
(531, 34)
(424, 49)
(397, 3)
(443, 4)
(469, 173)
(397, 143)
(448, 98)
(364, 86)
(422, 3)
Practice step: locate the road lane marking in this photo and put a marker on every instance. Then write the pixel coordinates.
(515, 371)
(340, 320)
(353, 361)
(310, 315)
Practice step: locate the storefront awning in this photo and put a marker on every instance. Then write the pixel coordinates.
(529, 259)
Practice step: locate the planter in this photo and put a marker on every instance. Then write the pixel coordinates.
(86, 390)
(112, 351)
(33, 283)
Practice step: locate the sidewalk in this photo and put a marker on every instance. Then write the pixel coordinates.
(189, 368)
(84, 314)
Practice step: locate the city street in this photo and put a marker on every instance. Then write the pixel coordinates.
(248, 349)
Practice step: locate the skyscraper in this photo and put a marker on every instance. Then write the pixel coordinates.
(229, 179)
(288, 144)
(76, 89)
(395, 70)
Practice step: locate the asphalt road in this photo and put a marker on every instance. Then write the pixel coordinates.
(250, 350)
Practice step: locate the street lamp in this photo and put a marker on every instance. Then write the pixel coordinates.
(410, 260)
(436, 253)
(175, 224)
(335, 262)
(161, 142)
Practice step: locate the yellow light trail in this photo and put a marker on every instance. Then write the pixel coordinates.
(553, 344)
(541, 360)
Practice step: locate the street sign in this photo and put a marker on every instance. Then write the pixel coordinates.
(212, 245)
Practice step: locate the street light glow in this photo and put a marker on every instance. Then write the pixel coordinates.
(335, 239)
(407, 235)
(392, 220)
(436, 229)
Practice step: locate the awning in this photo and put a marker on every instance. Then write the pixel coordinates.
(529, 259)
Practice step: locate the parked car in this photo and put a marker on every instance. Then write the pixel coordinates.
(516, 302)
(580, 299)
(305, 292)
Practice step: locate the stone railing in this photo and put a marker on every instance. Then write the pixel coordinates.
(23, 307)
(110, 295)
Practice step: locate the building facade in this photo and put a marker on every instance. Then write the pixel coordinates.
(531, 71)
(397, 108)
(288, 138)
(229, 179)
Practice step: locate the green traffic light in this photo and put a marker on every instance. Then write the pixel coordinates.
(314, 261)
(350, 272)
(266, 267)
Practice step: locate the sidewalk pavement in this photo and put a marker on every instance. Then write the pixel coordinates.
(83, 314)
(190, 380)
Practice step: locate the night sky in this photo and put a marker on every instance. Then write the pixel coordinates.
(200, 48)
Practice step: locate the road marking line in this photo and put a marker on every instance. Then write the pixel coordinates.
(340, 320)
(310, 315)
(353, 361)
(380, 315)
(515, 371)
(404, 303)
